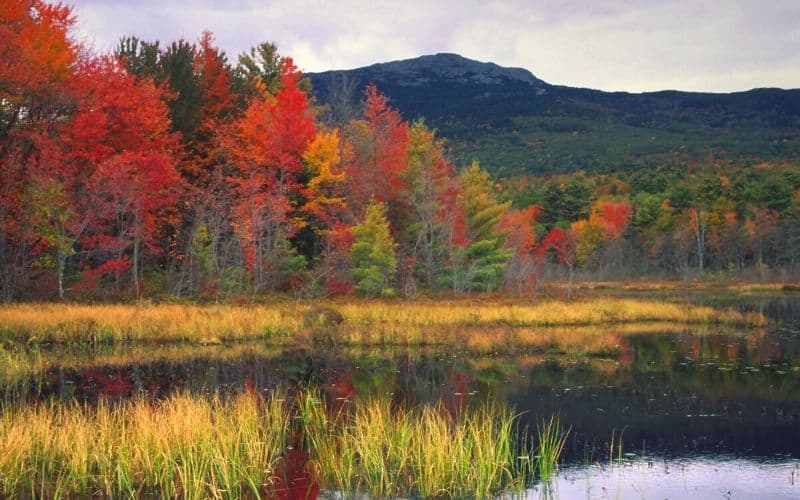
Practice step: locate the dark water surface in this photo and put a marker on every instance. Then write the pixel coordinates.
(679, 414)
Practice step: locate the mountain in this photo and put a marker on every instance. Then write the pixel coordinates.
(515, 123)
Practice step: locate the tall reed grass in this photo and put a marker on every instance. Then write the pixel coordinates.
(206, 447)
(183, 446)
(552, 438)
(387, 451)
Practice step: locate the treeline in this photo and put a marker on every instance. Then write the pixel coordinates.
(172, 171)
(715, 221)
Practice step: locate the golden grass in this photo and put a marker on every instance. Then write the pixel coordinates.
(202, 447)
(644, 286)
(365, 322)
(184, 446)
(103, 322)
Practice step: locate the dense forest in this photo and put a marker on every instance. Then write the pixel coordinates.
(167, 170)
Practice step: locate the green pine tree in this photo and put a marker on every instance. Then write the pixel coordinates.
(373, 253)
(479, 265)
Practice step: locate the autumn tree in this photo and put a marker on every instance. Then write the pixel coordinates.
(215, 106)
(377, 157)
(426, 178)
(605, 225)
(326, 208)
(565, 246)
(121, 156)
(523, 267)
(326, 196)
(761, 227)
(204, 165)
(697, 221)
(267, 145)
(37, 54)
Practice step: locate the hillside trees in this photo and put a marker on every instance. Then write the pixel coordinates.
(166, 169)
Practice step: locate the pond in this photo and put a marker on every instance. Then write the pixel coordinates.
(682, 413)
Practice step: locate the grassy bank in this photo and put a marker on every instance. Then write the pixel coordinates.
(711, 286)
(363, 322)
(201, 447)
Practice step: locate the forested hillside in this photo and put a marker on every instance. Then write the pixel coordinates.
(516, 124)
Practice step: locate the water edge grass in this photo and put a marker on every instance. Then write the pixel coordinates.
(552, 438)
(182, 446)
(207, 446)
(386, 451)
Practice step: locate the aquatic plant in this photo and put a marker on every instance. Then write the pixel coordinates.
(552, 438)
(206, 446)
(183, 446)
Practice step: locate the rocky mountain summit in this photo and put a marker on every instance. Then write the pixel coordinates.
(452, 68)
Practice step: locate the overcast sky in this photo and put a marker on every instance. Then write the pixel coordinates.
(707, 45)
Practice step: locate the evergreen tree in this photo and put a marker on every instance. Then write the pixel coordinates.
(479, 264)
(373, 253)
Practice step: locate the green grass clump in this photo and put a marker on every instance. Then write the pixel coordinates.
(552, 438)
(427, 451)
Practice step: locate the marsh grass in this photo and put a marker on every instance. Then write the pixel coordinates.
(552, 438)
(183, 446)
(388, 451)
(364, 322)
(207, 447)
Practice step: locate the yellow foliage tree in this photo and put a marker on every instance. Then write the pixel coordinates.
(322, 158)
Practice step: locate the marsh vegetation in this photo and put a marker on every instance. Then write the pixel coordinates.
(460, 405)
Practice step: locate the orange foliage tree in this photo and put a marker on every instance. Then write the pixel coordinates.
(267, 144)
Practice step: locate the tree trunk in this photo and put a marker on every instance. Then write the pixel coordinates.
(136, 265)
(61, 263)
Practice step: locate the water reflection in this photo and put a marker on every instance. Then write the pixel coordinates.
(668, 393)
(722, 477)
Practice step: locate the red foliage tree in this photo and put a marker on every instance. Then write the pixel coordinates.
(523, 267)
(267, 144)
(216, 106)
(37, 55)
(378, 156)
(118, 164)
(613, 217)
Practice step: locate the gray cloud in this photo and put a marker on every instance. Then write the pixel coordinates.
(709, 45)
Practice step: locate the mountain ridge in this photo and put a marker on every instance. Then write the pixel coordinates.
(516, 123)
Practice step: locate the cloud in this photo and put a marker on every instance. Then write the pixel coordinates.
(719, 45)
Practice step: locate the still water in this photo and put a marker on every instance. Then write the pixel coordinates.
(684, 413)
